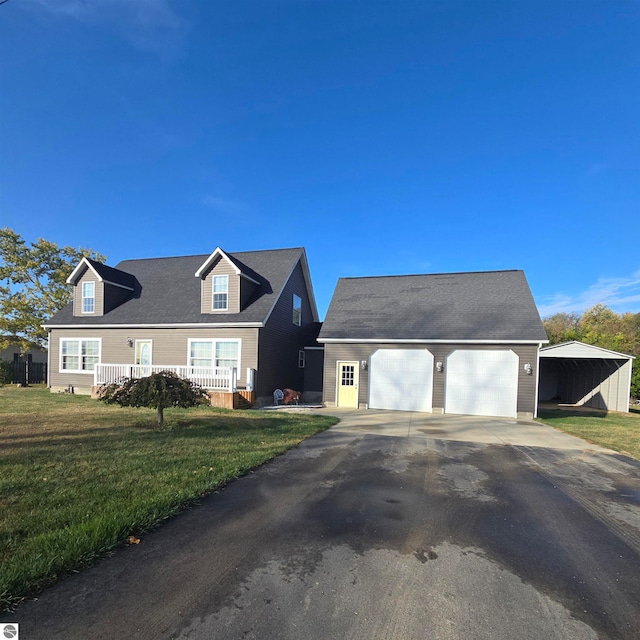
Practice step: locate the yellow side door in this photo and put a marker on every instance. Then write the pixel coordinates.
(348, 384)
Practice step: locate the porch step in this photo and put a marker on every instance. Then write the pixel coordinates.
(242, 402)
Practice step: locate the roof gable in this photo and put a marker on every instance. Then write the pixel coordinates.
(489, 306)
(307, 279)
(236, 265)
(103, 273)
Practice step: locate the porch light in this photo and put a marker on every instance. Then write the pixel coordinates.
(439, 366)
(363, 365)
(528, 368)
(130, 342)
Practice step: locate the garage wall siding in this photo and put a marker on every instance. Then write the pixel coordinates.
(358, 352)
(334, 353)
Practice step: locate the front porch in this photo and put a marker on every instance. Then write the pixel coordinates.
(220, 383)
(209, 378)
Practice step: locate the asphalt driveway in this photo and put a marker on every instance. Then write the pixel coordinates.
(389, 525)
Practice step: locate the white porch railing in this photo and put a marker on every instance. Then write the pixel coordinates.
(220, 378)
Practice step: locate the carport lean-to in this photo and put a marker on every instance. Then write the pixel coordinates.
(580, 374)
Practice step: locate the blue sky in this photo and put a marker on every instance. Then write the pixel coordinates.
(385, 137)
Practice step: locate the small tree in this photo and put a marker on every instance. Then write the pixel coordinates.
(157, 391)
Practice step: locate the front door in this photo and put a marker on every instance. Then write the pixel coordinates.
(143, 357)
(348, 384)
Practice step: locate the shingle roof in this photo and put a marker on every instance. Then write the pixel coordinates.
(489, 305)
(167, 291)
(112, 274)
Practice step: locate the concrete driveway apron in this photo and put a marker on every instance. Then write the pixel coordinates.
(390, 525)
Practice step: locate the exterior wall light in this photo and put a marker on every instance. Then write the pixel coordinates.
(363, 365)
(439, 367)
(528, 368)
(130, 342)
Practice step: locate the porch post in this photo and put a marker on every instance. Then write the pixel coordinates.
(251, 379)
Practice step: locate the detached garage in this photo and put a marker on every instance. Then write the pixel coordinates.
(579, 374)
(448, 342)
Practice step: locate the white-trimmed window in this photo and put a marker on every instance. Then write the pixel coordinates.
(220, 293)
(88, 297)
(301, 358)
(79, 355)
(214, 353)
(297, 310)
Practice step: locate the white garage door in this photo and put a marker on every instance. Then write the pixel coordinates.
(401, 379)
(482, 383)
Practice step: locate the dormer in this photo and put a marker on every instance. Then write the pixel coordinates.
(225, 285)
(98, 288)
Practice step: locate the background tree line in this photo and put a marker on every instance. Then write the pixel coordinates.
(601, 327)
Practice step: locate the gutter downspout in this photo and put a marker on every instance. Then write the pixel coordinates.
(535, 407)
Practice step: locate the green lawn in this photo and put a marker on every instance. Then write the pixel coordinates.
(617, 431)
(78, 477)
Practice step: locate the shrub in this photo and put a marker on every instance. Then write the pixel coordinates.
(157, 391)
(6, 372)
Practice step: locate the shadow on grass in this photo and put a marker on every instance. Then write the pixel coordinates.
(144, 433)
(545, 414)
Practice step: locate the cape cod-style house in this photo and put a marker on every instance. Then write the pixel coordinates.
(236, 323)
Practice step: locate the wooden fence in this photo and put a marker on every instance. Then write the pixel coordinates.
(29, 372)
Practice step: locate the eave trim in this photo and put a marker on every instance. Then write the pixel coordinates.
(424, 341)
(168, 325)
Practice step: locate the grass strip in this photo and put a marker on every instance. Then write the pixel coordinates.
(617, 431)
(78, 477)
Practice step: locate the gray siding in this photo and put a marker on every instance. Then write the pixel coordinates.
(313, 368)
(280, 340)
(88, 276)
(221, 267)
(335, 353)
(170, 347)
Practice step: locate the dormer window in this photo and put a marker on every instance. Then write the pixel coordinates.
(88, 297)
(220, 293)
(297, 310)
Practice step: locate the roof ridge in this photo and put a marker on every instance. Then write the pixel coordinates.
(422, 275)
(198, 255)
